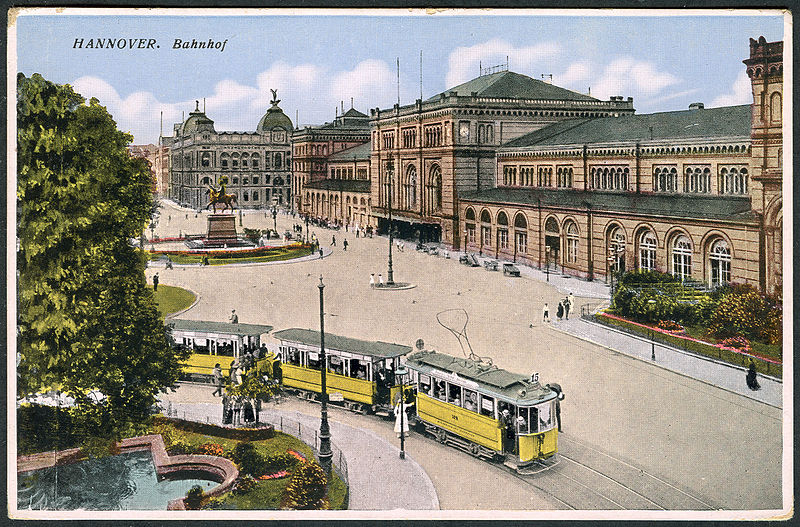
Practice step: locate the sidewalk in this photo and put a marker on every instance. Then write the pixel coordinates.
(379, 479)
(723, 375)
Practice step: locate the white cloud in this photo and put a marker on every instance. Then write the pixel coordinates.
(741, 93)
(463, 62)
(627, 75)
(575, 76)
(370, 81)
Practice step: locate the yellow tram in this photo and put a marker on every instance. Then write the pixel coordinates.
(360, 373)
(485, 410)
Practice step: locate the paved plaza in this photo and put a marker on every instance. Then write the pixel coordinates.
(716, 444)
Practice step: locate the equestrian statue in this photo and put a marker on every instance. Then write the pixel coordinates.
(218, 196)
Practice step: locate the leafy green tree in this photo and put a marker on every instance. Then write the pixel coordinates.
(86, 320)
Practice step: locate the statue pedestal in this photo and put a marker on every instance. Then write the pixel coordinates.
(221, 230)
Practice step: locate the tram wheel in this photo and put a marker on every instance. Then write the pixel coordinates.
(475, 450)
(441, 435)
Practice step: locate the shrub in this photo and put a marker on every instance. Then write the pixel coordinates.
(647, 277)
(211, 449)
(670, 325)
(278, 462)
(244, 484)
(740, 315)
(194, 498)
(249, 460)
(179, 447)
(306, 490)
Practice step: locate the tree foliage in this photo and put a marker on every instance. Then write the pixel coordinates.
(86, 319)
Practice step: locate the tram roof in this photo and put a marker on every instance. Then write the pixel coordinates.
(335, 342)
(205, 326)
(490, 378)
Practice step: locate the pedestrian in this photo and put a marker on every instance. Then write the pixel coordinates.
(560, 310)
(372, 280)
(380, 280)
(217, 373)
(344, 244)
(752, 380)
(320, 253)
(357, 231)
(155, 282)
(333, 241)
(399, 409)
(232, 370)
(234, 318)
(571, 302)
(169, 218)
(546, 313)
(567, 307)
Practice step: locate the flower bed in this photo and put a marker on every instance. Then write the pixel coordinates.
(727, 353)
(238, 434)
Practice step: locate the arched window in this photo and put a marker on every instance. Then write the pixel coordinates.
(647, 251)
(470, 225)
(255, 195)
(521, 233)
(682, 257)
(486, 229)
(775, 107)
(719, 258)
(616, 249)
(502, 230)
(411, 186)
(572, 242)
(434, 197)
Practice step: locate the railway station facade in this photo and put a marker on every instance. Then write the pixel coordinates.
(257, 164)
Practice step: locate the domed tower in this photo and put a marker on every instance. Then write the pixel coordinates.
(197, 122)
(275, 123)
(765, 69)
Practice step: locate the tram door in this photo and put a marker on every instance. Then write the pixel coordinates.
(508, 417)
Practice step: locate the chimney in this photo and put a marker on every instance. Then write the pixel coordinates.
(697, 106)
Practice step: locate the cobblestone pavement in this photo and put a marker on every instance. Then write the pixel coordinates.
(716, 443)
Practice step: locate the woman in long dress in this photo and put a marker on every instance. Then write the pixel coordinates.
(399, 408)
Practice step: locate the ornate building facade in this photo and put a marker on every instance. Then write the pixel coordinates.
(696, 193)
(257, 164)
(313, 145)
(427, 155)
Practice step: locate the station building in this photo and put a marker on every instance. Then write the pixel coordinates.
(696, 193)
(257, 164)
(312, 146)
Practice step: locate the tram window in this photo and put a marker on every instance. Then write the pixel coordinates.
(440, 390)
(294, 356)
(470, 400)
(523, 420)
(335, 365)
(534, 420)
(313, 360)
(425, 384)
(454, 394)
(357, 369)
(545, 416)
(487, 406)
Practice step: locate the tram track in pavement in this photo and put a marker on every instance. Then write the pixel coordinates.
(589, 479)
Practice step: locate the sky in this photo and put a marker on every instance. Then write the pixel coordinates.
(316, 61)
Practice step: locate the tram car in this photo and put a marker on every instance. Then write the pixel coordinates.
(489, 412)
(360, 373)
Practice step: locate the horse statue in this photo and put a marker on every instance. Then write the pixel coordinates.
(216, 197)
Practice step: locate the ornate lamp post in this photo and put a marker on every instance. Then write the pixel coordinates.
(390, 173)
(307, 226)
(275, 219)
(652, 303)
(325, 453)
(399, 373)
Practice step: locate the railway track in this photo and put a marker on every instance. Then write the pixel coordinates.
(588, 479)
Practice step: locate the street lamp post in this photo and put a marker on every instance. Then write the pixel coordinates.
(651, 303)
(275, 219)
(307, 239)
(547, 262)
(466, 234)
(401, 371)
(390, 173)
(325, 453)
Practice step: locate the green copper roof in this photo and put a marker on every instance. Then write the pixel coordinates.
(728, 121)
(335, 342)
(512, 386)
(710, 206)
(359, 153)
(219, 327)
(507, 84)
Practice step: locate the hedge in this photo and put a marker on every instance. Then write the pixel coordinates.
(236, 434)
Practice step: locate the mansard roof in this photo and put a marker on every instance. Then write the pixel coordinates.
(733, 208)
(359, 153)
(727, 121)
(510, 85)
(343, 185)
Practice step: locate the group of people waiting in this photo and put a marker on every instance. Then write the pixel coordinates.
(564, 307)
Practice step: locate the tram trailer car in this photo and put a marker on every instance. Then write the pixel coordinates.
(462, 401)
(360, 373)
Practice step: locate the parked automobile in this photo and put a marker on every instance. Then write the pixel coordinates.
(490, 265)
(510, 269)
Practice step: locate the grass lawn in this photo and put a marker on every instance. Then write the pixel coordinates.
(172, 299)
(267, 494)
(274, 256)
